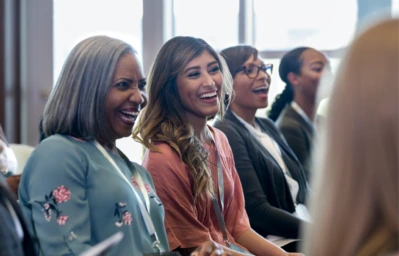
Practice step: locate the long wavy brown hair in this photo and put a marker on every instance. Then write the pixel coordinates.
(164, 118)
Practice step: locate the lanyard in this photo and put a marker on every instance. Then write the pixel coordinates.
(145, 212)
(219, 215)
(216, 207)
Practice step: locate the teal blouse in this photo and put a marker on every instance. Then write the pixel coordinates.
(73, 198)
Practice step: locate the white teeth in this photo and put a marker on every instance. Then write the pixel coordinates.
(208, 95)
(261, 88)
(133, 114)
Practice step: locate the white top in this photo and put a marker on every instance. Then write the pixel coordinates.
(8, 161)
(273, 148)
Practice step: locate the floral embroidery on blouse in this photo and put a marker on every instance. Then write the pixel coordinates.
(148, 188)
(51, 203)
(135, 182)
(123, 215)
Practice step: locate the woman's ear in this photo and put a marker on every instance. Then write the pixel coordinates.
(293, 78)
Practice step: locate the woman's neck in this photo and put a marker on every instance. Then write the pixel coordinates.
(200, 129)
(248, 115)
(110, 146)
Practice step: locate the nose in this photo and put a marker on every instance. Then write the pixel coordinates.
(136, 96)
(208, 81)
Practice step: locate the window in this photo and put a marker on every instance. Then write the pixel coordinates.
(286, 24)
(215, 21)
(75, 20)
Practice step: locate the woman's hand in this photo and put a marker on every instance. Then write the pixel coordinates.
(210, 248)
(295, 254)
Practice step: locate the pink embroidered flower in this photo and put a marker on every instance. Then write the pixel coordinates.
(62, 219)
(127, 218)
(61, 194)
(148, 188)
(135, 183)
(46, 206)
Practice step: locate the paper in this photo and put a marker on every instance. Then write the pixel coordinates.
(104, 246)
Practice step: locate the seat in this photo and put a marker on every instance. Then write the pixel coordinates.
(22, 153)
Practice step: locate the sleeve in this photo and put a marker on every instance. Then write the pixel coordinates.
(296, 139)
(174, 189)
(262, 215)
(52, 194)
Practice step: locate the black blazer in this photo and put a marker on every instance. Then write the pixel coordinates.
(299, 135)
(268, 200)
(10, 245)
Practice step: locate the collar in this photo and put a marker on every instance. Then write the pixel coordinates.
(302, 113)
(255, 129)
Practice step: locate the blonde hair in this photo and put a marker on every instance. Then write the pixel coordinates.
(356, 189)
(164, 118)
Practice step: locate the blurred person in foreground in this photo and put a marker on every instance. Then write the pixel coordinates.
(355, 208)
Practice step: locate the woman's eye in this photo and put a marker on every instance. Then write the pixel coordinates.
(142, 85)
(123, 85)
(214, 69)
(250, 70)
(193, 74)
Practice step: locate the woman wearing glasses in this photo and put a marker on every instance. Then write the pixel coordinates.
(272, 178)
(294, 109)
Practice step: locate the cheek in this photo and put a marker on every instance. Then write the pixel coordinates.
(218, 81)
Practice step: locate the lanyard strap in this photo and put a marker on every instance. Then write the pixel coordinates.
(218, 212)
(145, 213)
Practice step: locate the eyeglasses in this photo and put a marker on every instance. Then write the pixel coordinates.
(252, 70)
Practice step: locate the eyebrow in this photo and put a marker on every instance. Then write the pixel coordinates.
(129, 80)
(198, 67)
(318, 62)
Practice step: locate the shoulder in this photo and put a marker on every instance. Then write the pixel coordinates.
(266, 121)
(164, 157)
(229, 129)
(289, 118)
(60, 142)
(60, 146)
(164, 151)
(56, 151)
(221, 140)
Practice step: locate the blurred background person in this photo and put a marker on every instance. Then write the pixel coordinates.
(15, 239)
(273, 180)
(355, 207)
(294, 109)
(8, 164)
